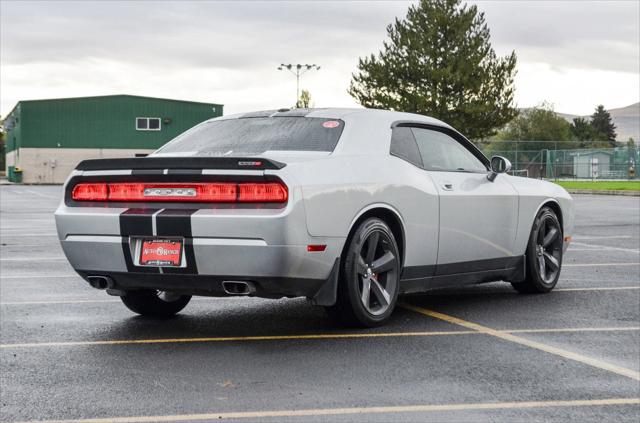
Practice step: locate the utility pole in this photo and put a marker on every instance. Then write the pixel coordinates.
(298, 69)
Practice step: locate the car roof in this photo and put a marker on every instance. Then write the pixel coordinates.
(346, 114)
(367, 130)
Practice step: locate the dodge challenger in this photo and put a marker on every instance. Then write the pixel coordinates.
(346, 207)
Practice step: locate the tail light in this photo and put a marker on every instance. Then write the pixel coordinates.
(200, 192)
(90, 192)
(262, 193)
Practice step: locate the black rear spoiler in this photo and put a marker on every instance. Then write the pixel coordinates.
(236, 163)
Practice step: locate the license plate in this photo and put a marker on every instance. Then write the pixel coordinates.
(161, 252)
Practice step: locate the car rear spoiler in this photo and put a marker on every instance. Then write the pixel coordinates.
(241, 163)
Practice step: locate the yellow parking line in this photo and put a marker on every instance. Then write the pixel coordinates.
(239, 338)
(426, 408)
(306, 337)
(528, 343)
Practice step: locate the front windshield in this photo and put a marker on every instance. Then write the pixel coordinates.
(251, 136)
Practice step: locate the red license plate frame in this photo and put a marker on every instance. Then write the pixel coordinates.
(161, 252)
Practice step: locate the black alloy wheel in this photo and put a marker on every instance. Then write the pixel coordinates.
(370, 277)
(544, 254)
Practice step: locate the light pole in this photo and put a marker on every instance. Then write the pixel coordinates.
(298, 70)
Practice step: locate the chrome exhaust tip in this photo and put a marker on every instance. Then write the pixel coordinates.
(100, 282)
(238, 287)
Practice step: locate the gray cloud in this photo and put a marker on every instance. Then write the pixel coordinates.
(230, 48)
(220, 34)
(601, 35)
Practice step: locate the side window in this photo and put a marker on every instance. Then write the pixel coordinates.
(147, 124)
(403, 145)
(142, 124)
(441, 152)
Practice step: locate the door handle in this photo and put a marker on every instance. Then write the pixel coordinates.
(447, 186)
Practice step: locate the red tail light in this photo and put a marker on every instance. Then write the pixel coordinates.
(90, 192)
(262, 193)
(197, 192)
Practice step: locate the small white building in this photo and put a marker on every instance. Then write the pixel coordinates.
(591, 164)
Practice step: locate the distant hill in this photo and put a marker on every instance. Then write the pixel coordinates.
(632, 110)
(626, 119)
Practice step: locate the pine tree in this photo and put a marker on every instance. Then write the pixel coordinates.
(438, 61)
(587, 135)
(601, 121)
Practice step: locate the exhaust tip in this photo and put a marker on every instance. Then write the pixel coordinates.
(238, 287)
(100, 282)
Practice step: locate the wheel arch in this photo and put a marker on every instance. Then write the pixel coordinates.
(387, 214)
(555, 206)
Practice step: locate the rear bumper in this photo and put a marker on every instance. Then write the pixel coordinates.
(267, 247)
(239, 258)
(211, 285)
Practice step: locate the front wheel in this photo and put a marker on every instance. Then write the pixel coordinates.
(153, 303)
(544, 254)
(370, 276)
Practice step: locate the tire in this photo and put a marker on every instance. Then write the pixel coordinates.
(369, 278)
(152, 303)
(544, 254)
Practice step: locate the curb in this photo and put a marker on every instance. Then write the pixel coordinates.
(629, 193)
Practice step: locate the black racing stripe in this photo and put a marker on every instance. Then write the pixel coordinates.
(136, 222)
(147, 171)
(174, 222)
(184, 171)
(177, 222)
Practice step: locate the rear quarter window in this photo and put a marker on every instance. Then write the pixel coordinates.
(403, 145)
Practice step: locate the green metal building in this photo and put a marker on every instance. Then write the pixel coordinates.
(45, 139)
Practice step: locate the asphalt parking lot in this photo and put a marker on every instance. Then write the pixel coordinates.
(482, 353)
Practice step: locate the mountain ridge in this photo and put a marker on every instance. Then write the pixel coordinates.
(626, 119)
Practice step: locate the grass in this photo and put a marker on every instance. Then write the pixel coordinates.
(601, 185)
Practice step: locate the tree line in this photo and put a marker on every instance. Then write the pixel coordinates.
(539, 126)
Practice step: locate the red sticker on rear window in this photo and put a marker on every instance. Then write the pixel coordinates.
(331, 124)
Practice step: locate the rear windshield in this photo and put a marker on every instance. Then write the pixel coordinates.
(248, 136)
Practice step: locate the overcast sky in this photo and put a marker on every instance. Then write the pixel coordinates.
(575, 54)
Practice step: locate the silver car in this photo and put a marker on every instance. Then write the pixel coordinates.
(347, 207)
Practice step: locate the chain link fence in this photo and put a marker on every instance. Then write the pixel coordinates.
(619, 163)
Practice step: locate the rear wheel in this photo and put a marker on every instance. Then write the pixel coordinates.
(153, 303)
(370, 274)
(544, 254)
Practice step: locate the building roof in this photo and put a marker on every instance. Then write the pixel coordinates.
(590, 152)
(110, 96)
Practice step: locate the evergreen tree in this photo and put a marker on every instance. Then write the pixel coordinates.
(587, 136)
(305, 100)
(438, 61)
(601, 121)
(582, 130)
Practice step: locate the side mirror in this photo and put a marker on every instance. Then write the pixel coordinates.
(498, 165)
